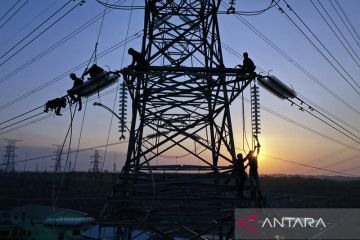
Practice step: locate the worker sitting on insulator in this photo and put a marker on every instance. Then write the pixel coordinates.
(94, 71)
(78, 83)
(55, 104)
(248, 65)
(138, 59)
(240, 173)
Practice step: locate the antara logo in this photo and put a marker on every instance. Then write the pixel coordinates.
(293, 222)
(284, 222)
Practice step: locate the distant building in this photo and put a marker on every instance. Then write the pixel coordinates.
(37, 222)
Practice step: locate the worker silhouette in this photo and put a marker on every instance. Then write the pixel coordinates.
(240, 173)
(138, 59)
(253, 169)
(94, 71)
(78, 83)
(248, 65)
(152, 6)
(55, 104)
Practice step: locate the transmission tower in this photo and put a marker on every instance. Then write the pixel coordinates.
(8, 164)
(96, 161)
(58, 159)
(180, 104)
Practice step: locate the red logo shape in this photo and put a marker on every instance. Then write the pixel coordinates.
(251, 218)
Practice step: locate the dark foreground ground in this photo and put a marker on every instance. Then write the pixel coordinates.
(88, 191)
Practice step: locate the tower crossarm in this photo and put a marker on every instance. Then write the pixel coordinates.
(164, 80)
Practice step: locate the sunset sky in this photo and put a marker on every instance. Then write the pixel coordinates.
(280, 139)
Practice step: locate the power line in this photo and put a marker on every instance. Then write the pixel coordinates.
(333, 31)
(17, 10)
(325, 157)
(357, 41)
(118, 84)
(37, 36)
(330, 17)
(22, 120)
(72, 151)
(310, 107)
(80, 134)
(356, 139)
(329, 113)
(296, 64)
(60, 77)
(26, 124)
(305, 165)
(28, 23)
(11, 8)
(232, 10)
(305, 127)
(55, 45)
(51, 115)
(340, 162)
(119, 7)
(318, 49)
(309, 166)
(29, 34)
(32, 110)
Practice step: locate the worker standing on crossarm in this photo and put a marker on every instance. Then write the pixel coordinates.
(75, 90)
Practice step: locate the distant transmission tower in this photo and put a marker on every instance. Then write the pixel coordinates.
(8, 164)
(95, 164)
(58, 159)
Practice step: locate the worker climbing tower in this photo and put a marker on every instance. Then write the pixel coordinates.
(181, 99)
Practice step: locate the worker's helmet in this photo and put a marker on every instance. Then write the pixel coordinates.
(131, 50)
(245, 54)
(239, 156)
(72, 75)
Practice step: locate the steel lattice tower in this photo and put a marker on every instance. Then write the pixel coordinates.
(180, 103)
(185, 92)
(8, 164)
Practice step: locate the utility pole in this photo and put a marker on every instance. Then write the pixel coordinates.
(8, 163)
(96, 161)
